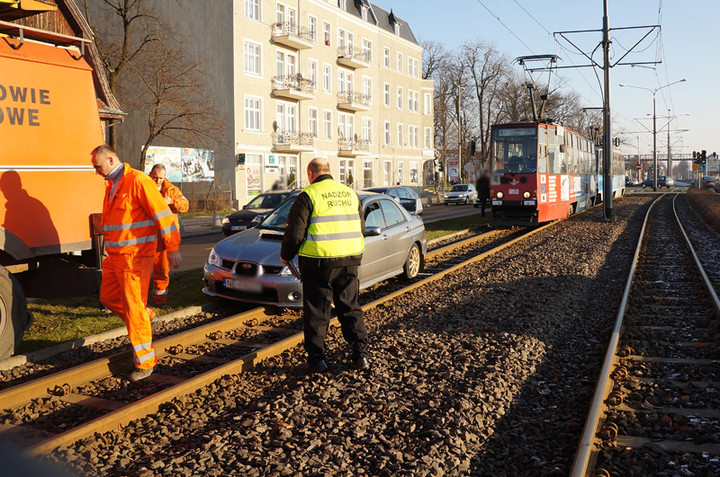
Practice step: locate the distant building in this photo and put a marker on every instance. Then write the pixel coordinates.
(303, 78)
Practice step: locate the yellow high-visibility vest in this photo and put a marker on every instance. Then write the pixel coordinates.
(334, 226)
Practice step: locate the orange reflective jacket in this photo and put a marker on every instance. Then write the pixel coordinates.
(178, 203)
(136, 216)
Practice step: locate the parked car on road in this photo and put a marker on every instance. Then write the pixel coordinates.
(461, 194)
(254, 211)
(246, 266)
(407, 197)
(661, 182)
(708, 182)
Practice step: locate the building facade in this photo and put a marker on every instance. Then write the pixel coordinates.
(297, 79)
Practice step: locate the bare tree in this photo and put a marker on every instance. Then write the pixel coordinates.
(434, 58)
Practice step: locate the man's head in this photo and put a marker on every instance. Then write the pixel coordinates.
(104, 159)
(317, 167)
(157, 173)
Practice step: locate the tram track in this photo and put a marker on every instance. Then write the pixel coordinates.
(656, 407)
(63, 407)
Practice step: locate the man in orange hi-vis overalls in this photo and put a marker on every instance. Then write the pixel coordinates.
(178, 204)
(134, 216)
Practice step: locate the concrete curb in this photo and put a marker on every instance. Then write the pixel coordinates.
(46, 353)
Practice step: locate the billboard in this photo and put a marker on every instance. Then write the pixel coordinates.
(182, 164)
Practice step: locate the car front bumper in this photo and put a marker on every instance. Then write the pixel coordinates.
(266, 289)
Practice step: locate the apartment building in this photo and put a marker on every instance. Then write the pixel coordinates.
(298, 79)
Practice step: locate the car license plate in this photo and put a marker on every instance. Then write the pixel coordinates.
(243, 285)
(238, 227)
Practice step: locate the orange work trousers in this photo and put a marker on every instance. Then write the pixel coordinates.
(161, 278)
(124, 291)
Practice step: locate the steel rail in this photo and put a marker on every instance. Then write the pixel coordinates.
(152, 403)
(582, 457)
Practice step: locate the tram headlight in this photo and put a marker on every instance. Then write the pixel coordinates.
(526, 195)
(499, 195)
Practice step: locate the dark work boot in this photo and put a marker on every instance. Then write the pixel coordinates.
(359, 363)
(317, 367)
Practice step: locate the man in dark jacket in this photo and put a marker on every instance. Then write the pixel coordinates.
(325, 229)
(483, 189)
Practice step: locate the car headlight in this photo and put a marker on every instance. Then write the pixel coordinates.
(526, 195)
(214, 259)
(500, 195)
(225, 220)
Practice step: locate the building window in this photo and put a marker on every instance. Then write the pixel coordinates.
(413, 136)
(400, 135)
(399, 97)
(400, 172)
(253, 167)
(327, 82)
(367, 49)
(252, 9)
(342, 4)
(413, 101)
(414, 173)
(399, 62)
(386, 57)
(313, 71)
(413, 67)
(327, 124)
(326, 33)
(367, 129)
(387, 133)
(252, 113)
(313, 121)
(312, 28)
(428, 138)
(367, 173)
(286, 16)
(346, 126)
(428, 103)
(345, 81)
(386, 94)
(252, 58)
(367, 88)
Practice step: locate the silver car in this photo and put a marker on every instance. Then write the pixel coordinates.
(461, 194)
(246, 266)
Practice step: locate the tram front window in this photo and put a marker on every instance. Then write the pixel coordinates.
(514, 150)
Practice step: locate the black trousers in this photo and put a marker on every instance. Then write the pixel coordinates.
(322, 286)
(483, 201)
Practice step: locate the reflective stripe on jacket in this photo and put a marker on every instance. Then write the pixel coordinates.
(334, 228)
(136, 215)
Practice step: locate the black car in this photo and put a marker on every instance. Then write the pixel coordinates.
(255, 211)
(406, 196)
(660, 182)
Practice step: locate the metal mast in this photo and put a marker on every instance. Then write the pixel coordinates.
(607, 134)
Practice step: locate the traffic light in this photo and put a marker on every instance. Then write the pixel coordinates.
(703, 158)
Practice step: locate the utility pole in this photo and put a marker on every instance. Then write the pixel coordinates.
(655, 164)
(607, 139)
(669, 166)
(459, 131)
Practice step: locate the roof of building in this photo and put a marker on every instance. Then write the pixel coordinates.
(381, 18)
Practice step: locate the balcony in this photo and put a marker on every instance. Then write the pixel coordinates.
(293, 87)
(353, 101)
(292, 36)
(353, 147)
(353, 57)
(292, 141)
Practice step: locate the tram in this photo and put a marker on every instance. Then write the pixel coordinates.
(543, 172)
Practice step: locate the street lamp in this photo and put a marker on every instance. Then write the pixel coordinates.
(653, 91)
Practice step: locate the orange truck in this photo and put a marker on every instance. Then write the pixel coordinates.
(49, 192)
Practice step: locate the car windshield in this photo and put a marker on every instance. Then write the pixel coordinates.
(459, 188)
(277, 220)
(266, 201)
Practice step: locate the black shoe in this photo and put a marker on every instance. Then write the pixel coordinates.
(359, 363)
(319, 367)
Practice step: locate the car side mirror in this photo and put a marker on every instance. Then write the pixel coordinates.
(372, 231)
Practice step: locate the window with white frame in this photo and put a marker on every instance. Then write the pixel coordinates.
(253, 169)
(367, 173)
(313, 122)
(285, 15)
(327, 75)
(367, 88)
(286, 117)
(414, 173)
(367, 49)
(346, 171)
(346, 126)
(367, 126)
(386, 57)
(327, 124)
(413, 66)
(399, 97)
(399, 62)
(253, 106)
(400, 178)
(386, 128)
(342, 4)
(345, 81)
(312, 28)
(326, 33)
(413, 136)
(252, 58)
(364, 13)
(386, 94)
(252, 9)
(284, 65)
(313, 72)
(400, 132)
(413, 101)
(427, 106)
(341, 39)
(428, 138)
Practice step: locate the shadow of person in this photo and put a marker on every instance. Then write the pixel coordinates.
(26, 217)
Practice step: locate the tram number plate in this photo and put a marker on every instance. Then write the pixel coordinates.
(243, 285)
(513, 191)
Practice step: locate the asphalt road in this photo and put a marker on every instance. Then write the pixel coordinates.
(195, 249)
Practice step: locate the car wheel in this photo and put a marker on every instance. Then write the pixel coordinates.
(413, 262)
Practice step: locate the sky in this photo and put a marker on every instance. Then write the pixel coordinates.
(686, 44)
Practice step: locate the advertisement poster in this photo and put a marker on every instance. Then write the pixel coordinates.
(182, 164)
